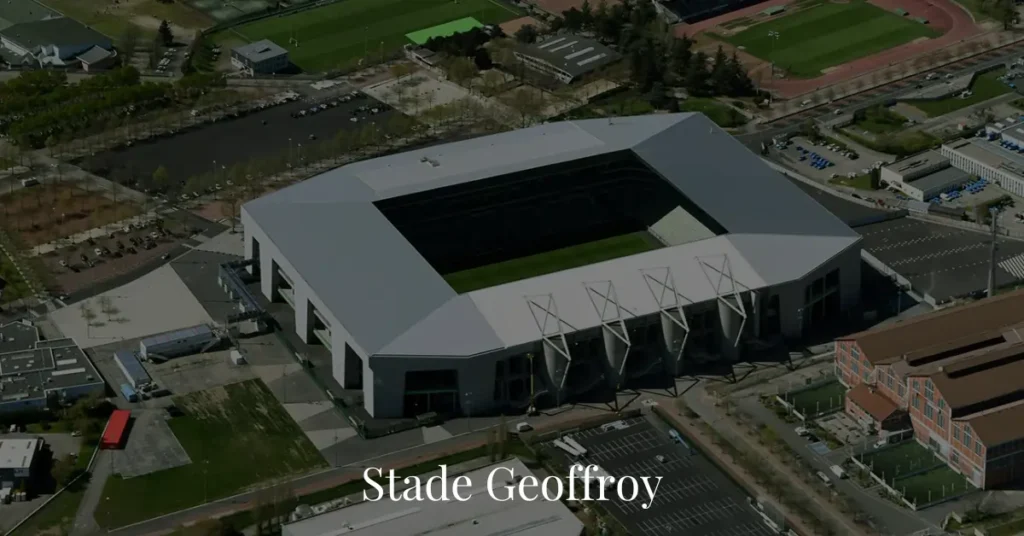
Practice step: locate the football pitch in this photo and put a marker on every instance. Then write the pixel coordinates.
(552, 261)
(340, 34)
(825, 35)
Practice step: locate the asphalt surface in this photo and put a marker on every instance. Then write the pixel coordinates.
(235, 141)
(879, 95)
(694, 498)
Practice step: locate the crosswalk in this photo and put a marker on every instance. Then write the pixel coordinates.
(1014, 265)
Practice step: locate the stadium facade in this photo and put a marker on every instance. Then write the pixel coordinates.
(365, 255)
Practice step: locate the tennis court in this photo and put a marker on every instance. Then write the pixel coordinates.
(221, 10)
(900, 460)
(812, 39)
(343, 34)
(818, 400)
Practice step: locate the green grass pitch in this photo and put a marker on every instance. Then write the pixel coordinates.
(340, 34)
(236, 436)
(552, 261)
(826, 35)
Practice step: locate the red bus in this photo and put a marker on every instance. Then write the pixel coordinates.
(113, 434)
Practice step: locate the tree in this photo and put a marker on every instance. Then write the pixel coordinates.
(165, 34)
(401, 70)
(161, 179)
(697, 75)
(87, 314)
(720, 77)
(461, 70)
(63, 470)
(51, 144)
(573, 19)
(156, 52)
(526, 104)
(527, 34)
(1006, 13)
(107, 306)
(128, 43)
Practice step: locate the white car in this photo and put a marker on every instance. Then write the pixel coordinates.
(802, 431)
(98, 252)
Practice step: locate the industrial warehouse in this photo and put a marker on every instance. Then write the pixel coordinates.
(605, 249)
(956, 377)
(34, 370)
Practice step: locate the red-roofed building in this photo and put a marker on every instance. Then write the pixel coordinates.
(956, 377)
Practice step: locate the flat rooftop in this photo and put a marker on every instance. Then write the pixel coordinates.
(30, 367)
(940, 179)
(955, 330)
(17, 453)
(944, 262)
(479, 516)
(918, 161)
(990, 153)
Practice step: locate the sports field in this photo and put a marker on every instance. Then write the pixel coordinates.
(340, 34)
(552, 261)
(813, 39)
(818, 400)
(236, 436)
(899, 461)
(931, 486)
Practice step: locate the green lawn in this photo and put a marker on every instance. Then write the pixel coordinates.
(113, 22)
(940, 482)
(339, 34)
(237, 435)
(879, 120)
(817, 400)
(986, 86)
(1012, 528)
(892, 462)
(828, 34)
(551, 261)
(723, 115)
(861, 182)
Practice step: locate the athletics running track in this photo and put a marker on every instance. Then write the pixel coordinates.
(946, 16)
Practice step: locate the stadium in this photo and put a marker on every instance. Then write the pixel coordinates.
(548, 263)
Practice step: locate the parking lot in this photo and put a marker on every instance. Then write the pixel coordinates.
(275, 131)
(943, 261)
(693, 499)
(150, 447)
(799, 153)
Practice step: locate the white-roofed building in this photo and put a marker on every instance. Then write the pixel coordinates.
(365, 255)
(481, 515)
(19, 459)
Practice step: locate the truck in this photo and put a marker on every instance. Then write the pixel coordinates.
(129, 392)
(838, 471)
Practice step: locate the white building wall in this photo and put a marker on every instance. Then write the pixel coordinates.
(1010, 182)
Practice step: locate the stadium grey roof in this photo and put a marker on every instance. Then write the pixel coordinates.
(261, 50)
(58, 31)
(571, 53)
(392, 302)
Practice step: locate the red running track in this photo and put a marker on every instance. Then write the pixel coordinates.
(944, 15)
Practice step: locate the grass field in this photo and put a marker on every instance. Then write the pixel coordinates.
(552, 261)
(900, 460)
(236, 435)
(723, 115)
(340, 34)
(826, 35)
(879, 120)
(113, 20)
(933, 485)
(986, 86)
(817, 400)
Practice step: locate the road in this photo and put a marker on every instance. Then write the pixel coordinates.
(879, 95)
(888, 517)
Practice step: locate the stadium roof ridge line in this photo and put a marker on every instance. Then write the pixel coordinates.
(393, 302)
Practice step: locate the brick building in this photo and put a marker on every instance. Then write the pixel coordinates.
(955, 376)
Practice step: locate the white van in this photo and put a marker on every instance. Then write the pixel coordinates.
(824, 478)
(523, 427)
(838, 471)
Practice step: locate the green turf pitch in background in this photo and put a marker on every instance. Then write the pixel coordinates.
(825, 35)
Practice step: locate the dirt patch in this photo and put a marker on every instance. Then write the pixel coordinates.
(79, 276)
(48, 212)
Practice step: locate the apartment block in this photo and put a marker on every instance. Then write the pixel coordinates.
(955, 376)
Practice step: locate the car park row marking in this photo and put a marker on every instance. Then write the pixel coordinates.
(679, 521)
(937, 254)
(654, 468)
(674, 492)
(625, 446)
